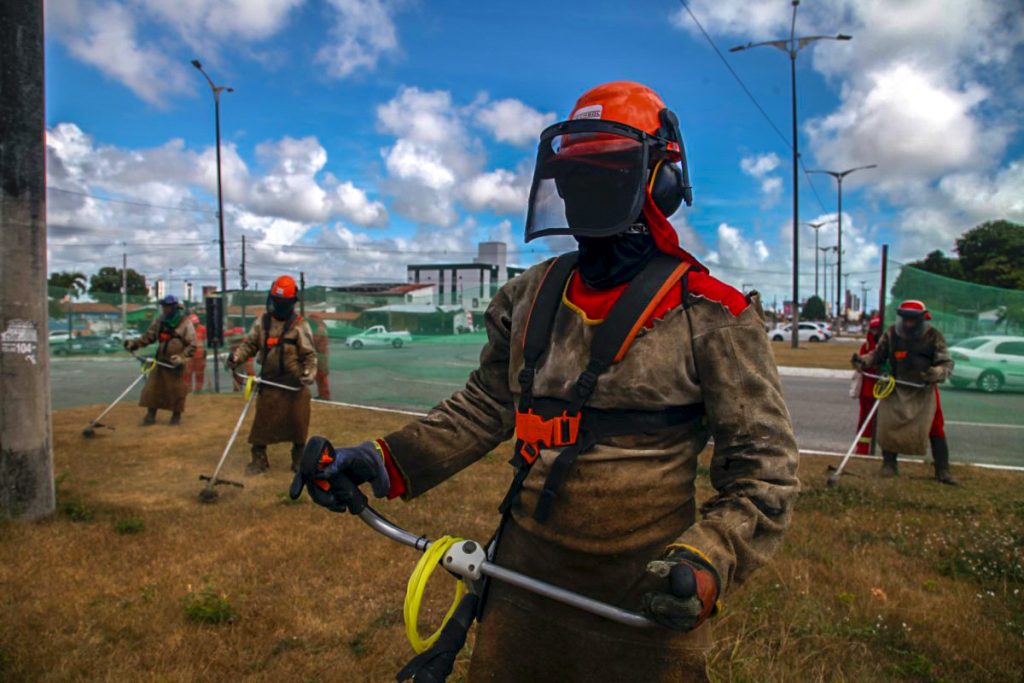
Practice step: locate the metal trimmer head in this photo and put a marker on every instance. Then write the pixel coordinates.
(208, 494)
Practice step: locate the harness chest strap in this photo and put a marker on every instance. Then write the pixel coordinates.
(555, 423)
(269, 343)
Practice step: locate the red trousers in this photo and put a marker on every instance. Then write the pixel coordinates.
(323, 387)
(938, 422)
(195, 373)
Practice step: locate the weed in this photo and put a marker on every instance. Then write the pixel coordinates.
(285, 499)
(129, 525)
(208, 606)
(75, 509)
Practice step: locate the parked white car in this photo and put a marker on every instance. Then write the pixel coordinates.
(990, 363)
(808, 332)
(378, 335)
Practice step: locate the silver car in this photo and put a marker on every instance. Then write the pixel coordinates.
(990, 363)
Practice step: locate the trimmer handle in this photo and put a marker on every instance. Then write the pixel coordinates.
(318, 454)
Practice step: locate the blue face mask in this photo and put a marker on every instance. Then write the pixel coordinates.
(609, 261)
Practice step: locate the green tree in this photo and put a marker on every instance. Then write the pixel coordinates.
(108, 281)
(940, 264)
(993, 254)
(60, 285)
(813, 309)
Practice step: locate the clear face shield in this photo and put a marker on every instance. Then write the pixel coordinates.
(591, 178)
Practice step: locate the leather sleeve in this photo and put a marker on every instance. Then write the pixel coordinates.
(250, 345)
(753, 468)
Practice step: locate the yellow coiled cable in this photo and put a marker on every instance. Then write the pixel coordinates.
(884, 390)
(418, 585)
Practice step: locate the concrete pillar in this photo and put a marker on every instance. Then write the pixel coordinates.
(26, 457)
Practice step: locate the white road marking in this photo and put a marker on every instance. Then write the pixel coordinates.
(903, 458)
(984, 424)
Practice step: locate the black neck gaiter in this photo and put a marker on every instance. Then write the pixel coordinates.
(609, 261)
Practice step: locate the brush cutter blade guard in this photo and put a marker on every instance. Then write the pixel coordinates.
(249, 384)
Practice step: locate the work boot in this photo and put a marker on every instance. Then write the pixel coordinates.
(259, 463)
(297, 449)
(940, 454)
(175, 419)
(889, 467)
(150, 418)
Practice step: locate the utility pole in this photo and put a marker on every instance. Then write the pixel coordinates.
(244, 284)
(124, 295)
(302, 294)
(792, 46)
(864, 296)
(26, 459)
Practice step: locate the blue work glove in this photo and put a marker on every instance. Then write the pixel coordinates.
(690, 592)
(333, 476)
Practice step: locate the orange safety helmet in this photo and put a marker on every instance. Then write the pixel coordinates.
(913, 308)
(284, 287)
(594, 171)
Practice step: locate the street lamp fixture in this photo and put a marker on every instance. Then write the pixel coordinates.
(839, 175)
(792, 46)
(816, 227)
(217, 90)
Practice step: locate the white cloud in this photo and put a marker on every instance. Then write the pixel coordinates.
(737, 253)
(105, 36)
(363, 32)
(511, 121)
(199, 22)
(501, 191)
(761, 167)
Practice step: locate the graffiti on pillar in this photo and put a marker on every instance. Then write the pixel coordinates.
(20, 338)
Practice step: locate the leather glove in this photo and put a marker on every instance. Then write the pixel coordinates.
(176, 360)
(307, 378)
(230, 363)
(130, 345)
(333, 476)
(934, 375)
(691, 587)
(856, 361)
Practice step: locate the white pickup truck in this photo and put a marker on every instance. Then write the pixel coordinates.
(378, 336)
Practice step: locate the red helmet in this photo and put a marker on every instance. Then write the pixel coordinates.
(912, 308)
(874, 323)
(284, 287)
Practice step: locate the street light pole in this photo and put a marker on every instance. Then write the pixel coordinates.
(816, 227)
(792, 47)
(839, 176)
(217, 90)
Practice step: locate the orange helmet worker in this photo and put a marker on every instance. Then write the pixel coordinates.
(612, 367)
(284, 344)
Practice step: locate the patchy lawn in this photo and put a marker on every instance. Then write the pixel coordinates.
(133, 579)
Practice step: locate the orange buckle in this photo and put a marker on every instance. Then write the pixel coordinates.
(536, 432)
(273, 341)
(164, 336)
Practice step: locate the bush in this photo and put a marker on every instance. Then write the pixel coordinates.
(129, 525)
(208, 606)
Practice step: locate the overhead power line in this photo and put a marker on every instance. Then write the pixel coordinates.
(131, 202)
(786, 141)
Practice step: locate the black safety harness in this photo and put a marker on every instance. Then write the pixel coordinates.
(270, 343)
(543, 422)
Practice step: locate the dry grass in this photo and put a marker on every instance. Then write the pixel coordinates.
(834, 355)
(107, 589)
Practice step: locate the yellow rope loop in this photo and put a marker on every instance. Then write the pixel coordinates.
(249, 384)
(417, 586)
(147, 365)
(884, 387)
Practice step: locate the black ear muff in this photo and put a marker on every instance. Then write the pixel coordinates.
(670, 131)
(666, 187)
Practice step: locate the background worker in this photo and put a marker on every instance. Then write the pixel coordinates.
(321, 342)
(610, 513)
(865, 386)
(911, 418)
(283, 344)
(165, 387)
(195, 369)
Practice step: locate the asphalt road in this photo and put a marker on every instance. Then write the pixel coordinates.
(985, 428)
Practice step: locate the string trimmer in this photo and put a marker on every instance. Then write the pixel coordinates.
(470, 561)
(208, 494)
(146, 365)
(884, 386)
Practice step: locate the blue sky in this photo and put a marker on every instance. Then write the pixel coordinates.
(366, 134)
